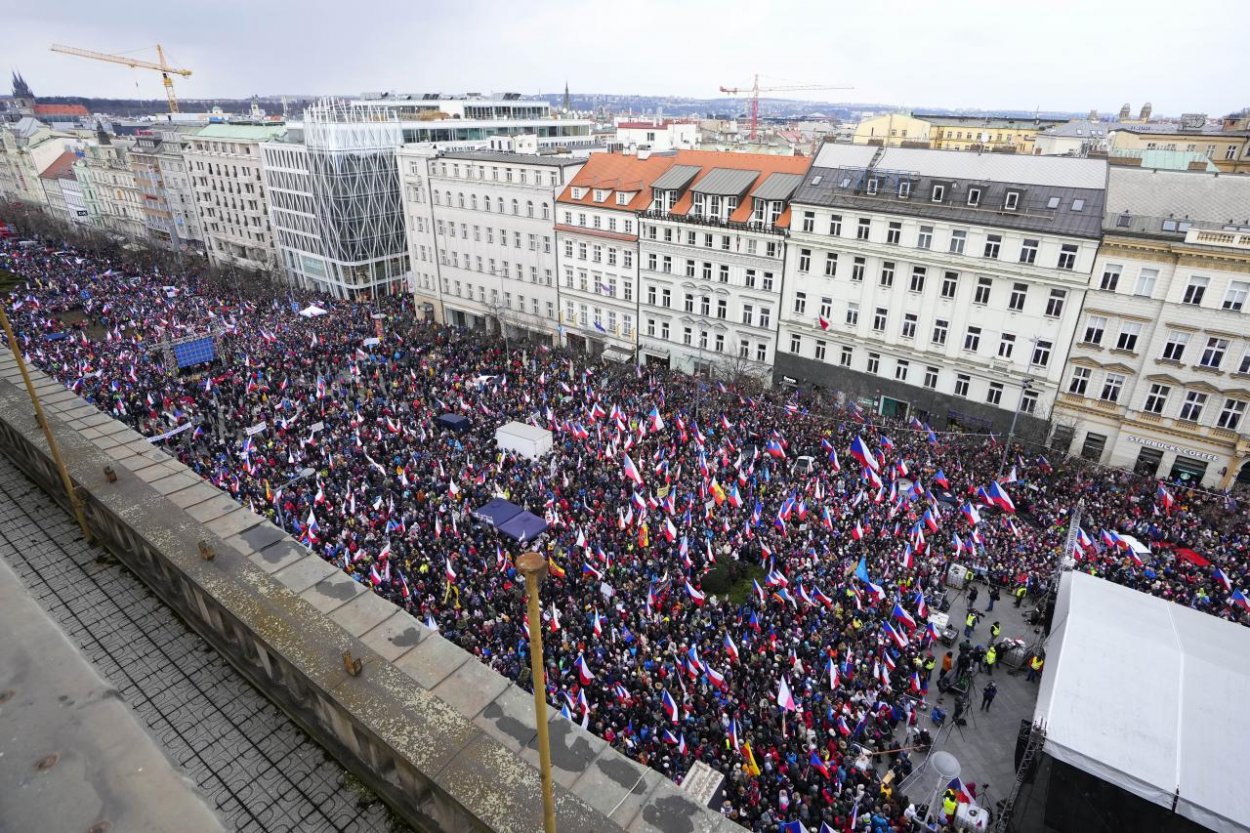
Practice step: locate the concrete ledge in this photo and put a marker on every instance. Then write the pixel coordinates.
(448, 743)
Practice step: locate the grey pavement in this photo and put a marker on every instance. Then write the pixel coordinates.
(210, 730)
(985, 747)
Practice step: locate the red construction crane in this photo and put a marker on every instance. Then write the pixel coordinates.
(755, 89)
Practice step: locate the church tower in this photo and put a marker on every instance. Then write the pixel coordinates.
(23, 98)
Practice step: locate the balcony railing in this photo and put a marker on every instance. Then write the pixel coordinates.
(713, 222)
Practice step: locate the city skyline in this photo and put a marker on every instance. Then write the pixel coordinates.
(473, 46)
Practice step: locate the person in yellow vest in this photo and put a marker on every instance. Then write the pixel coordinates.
(991, 658)
(995, 630)
(970, 623)
(1020, 591)
(1035, 668)
(949, 805)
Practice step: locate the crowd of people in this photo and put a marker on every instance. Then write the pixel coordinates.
(708, 599)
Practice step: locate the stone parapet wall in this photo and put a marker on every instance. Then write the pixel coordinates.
(448, 743)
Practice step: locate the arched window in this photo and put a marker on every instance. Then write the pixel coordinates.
(516, 207)
(529, 208)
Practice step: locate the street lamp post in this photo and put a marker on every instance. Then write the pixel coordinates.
(534, 566)
(1011, 432)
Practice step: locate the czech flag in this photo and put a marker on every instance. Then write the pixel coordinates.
(669, 705)
(998, 496)
(899, 639)
(922, 609)
(961, 792)
(631, 470)
(735, 497)
(1165, 498)
(970, 513)
(832, 670)
(823, 322)
(858, 532)
(657, 422)
(785, 698)
(714, 677)
(903, 616)
(773, 448)
(597, 625)
(941, 480)
(1240, 600)
(696, 596)
(1223, 579)
(583, 670)
(731, 650)
(930, 520)
(819, 765)
(864, 455)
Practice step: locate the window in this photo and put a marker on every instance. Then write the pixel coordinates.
(1213, 356)
(939, 193)
(1054, 304)
(917, 278)
(666, 298)
(1245, 363)
(863, 229)
(1019, 292)
(1094, 327)
(974, 196)
(900, 369)
(744, 349)
(904, 189)
(972, 339)
(962, 382)
(941, 328)
(909, 325)
(959, 239)
(848, 355)
(809, 221)
(872, 185)
(1129, 331)
(1146, 282)
(705, 305)
(1012, 200)
(1028, 251)
(835, 225)
(820, 350)
(767, 283)
(879, 319)
(800, 303)
(651, 295)
(1174, 349)
(796, 343)
(994, 396)
(924, 240)
(1067, 256)
(887, 275)
(723, 274)
(1191, 408)
(930, 377)
(1006, 345)
(831, 264)
(1079, 381)
(651, 326)
(805, 260)
(950, 284)
(982, 296)
(993, 243)
(1196, 289)
(1230, 417)
(1110, 277)
(707, 271)
(852, 314)
(1028, 402)
(826, 307)
(1041, 353)
(1157, 399)
(748, 279)
(722, 308)
(1111, 387)
(894, 233)
(1235, 297)
(857, 269)
(690, 302)
(874, 363)
(719, 344)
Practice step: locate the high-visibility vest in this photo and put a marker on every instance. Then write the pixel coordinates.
(971, 620)
(949, 803)
(995, 631)
(1036, 663)
(991, 656)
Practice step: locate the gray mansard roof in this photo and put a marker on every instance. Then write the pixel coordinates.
(1057, 195)
(515, 158)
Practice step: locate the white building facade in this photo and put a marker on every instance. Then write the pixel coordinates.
(597, 220)
(1159, 377)
(110, 189)
(224, 163)
(711, 260)
(481, 237)
(941, 284)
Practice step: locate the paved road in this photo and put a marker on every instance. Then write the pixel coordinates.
(255, 769)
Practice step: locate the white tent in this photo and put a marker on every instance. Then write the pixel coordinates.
(312, 311)
(530, 441)
(1150, 696)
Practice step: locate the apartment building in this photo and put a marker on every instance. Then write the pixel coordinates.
(711, 262)
(169, 205)
(1159, 377)
(27, 148)
(224, 163)
(109, 187)
(597, 218)
(481, 236)
(61, 190)
(941, 284)
(1226, 144)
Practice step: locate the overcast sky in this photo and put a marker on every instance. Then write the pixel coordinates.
(1059, 55)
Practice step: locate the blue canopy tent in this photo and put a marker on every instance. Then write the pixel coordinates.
(497, 512)
(523, 527)
(455, 422)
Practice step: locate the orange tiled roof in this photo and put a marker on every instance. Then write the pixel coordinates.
(60, 110)
(61, 168)
(617, 172)
(766, 163)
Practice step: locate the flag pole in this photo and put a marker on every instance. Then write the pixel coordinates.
(534, 566)
(42, 419)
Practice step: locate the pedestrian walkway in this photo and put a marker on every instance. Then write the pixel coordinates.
(985, 747)
(212, 745)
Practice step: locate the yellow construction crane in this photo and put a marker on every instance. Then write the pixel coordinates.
(162, 67)
(755, 89)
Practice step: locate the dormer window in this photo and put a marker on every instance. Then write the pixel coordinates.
(1012, 201)
(600, 195)
(579, 193)
(622, 198)
(974, 196)
(904, 189)
(939, 193)
(872, 185)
